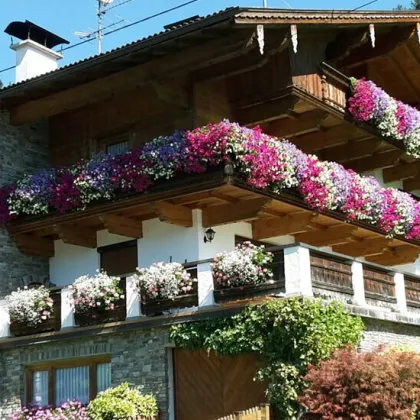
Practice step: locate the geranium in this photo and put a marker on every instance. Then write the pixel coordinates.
(246, 264)
(100, 292)
(30, 306)
(164, 281)
(394, 119)
(70, 410)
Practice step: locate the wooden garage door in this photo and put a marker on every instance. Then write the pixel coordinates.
(208, 387)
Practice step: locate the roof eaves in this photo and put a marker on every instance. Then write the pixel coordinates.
(143, 43)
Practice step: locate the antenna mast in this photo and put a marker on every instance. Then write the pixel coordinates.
(264, 3)
(100, 35)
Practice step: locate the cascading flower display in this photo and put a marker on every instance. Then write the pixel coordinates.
(247, 264)
(265, 162)
(70, 410)
(100, 292)
(164, 281)
(30, 306)
(394, 119)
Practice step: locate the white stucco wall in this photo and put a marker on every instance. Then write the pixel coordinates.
(161, 242)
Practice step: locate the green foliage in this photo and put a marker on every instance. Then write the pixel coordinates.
(120, 403)
(289, 334)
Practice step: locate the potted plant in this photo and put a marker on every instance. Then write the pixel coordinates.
(31, 311)
(245, 271)
(164, 286)
(97, 299)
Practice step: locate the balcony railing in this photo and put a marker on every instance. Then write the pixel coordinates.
(298, 269)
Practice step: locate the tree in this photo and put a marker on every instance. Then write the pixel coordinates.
(415, 5)
(364, 386)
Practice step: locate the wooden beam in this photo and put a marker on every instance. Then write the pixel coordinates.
(411, 184)
(123, 226)
(174, 94)
(265, 111)
(334, 235)
(396, 256)
(324, 138)
(402, 73)
(345, 42)
(34, 245)
(352, 150)
(377, 160)
(363, 248)
(104, 87)
(402, 171)
(385, 44)
(279, 226)
(79, 236)
(173, 214)
(295, 124)
(231, 213)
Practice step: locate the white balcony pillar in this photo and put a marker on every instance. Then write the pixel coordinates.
(4, 323)
(132, 298)
(297, 270)
(205, 285)
(67, 314)
(358, 282)
(400, 292)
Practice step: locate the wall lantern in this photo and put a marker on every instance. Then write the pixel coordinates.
(209, 235)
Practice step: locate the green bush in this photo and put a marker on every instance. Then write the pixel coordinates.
(121, 403)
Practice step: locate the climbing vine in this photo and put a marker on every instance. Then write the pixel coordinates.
(288, 334)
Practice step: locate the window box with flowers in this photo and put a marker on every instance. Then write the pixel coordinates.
(243, 273)
(32, 311)
(97, 299)
(165, 286)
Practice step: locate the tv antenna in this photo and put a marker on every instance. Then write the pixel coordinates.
(103, 7)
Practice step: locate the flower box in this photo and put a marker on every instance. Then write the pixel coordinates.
(247, 291)
(97, 316)
(157, 306)
(22, 327)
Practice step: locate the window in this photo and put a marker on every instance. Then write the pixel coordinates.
(55, 383)
(119, 259)
(117, 148)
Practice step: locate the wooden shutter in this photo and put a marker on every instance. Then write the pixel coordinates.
(119, 259)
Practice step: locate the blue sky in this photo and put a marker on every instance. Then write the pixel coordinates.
(64, 17)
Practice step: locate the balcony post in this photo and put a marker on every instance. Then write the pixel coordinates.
(4, 323)
(205, 285)
(358, 282)
(400, 292)
(297, 270)
(67, 314)
(132, 298)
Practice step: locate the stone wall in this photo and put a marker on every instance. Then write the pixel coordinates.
(140, 358)
(389, 333)
(24, 149)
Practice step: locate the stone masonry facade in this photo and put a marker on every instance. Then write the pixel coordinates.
(24, 149)
(139, 358)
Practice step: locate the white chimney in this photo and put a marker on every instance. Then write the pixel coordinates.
(34, 51)
(33, 59)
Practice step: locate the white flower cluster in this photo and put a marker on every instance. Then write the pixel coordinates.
(247, 264)
(30, 306)
(164, 281)
(95, 292)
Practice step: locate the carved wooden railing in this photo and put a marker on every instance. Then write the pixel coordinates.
(331, 273)
(379, 284)
(335, 87)
(412, 291)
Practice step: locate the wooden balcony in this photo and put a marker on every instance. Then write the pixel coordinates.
(299, 270)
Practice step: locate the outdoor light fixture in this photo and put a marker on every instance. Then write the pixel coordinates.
(209, 235)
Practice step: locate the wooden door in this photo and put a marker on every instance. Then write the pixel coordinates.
(208, 387)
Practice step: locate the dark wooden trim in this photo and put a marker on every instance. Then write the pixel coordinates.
(118, 246)
(332, 287)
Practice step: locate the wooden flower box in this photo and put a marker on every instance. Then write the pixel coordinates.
(244, 292)
(157, 306)
(97, 317)
(52, 324)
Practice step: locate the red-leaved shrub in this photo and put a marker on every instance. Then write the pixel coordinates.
(366, 386)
